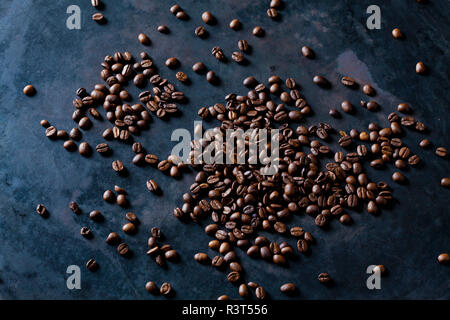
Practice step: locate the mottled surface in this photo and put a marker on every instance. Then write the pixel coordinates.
(36, 47)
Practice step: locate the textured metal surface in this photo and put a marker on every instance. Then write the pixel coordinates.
(36, 47)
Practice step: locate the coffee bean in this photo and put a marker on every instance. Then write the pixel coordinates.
(272, 13)
(288, 288)
(444, 258)
(85, 149)
(308, 52)
(121, 200)
(86, 232)
(152, 288)
(441, 152)
(112, 239)
(75, 134)
(163, 29)
(152, 186)
(118, 166)
(238, 57)
(92, 265)
(368, 90)
(379, 269)
(420, 68)
(425, 143)
(201, 32)
(321, 81)
(123, 249)
(398, 177)
(348, 82)
(45, 123)
(102, 148)
(99, 18)
(445, 182)
(199, 67)
(144, 39)
(397, 34)
(172, 63)
(233, 277)
(258, 31)
(166, 289)
(109, 196)
(324, 278)
(181, 76)
(404, 108)
(182, 15)
(96, 215)
(235, 24)
(51, 132)
(243, 46)
(211, 77)
(175, 9)
(260, 293)
(70, 145)
(208, 18)
(29, 90)
(334, 113)
(243, 290)
(41, 210)
(129, 228)
(139, 80)
(74, 207)
(345, 219)
(347, 107)
(96, 4)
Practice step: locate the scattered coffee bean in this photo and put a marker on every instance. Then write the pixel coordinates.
(199, 67)
(420, 68)
(444, 258)
(96, 215)
(441, 152)
(208, 18)
(86, 232)
(235, 24)
(152, 186)
(321, 81)
(112, 239)
(172, 63)
(369, 90)
(308, 52)
(99, 18)
(258, 31)
(324, 278)
(181, 76)
(41, 210)
(144, 39)
(272, 13)
(92, 265)
(163, 29)
(152, 288)
(166, 289)
(85, 149)
(288, 288)
(397, 34)
(29, 90)
(118, 166)
(129, 228)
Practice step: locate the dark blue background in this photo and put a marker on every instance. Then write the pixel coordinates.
(36, 47)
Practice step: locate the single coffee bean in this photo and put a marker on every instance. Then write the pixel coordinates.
(379, 269)
(397, 34)
(258, 31)
(211, 77)
(29, 90)
(182, 15)
(345, 219)
(441, 152)
(45, 123)
(238, 57)
(123, 249)
(272, 13)
(75, 134)
(74, 207)
(121, 200)
(129, 228)
(70, 145)
(172, 63)
(96, 215)
(308, 52)
(425, 143)
(102, 148)
(181, 76)
(302, 246)
(85, 149)
(404, 108)
(334, 113)
(152, 186)
(208, 18)
(348, 81)
(139, 80)
(144, 39)
(199, 67)
(85, 123)
(288, 288)
(321, 81)
(41, 210)
(99, 18)
(86, 232)
(166, 289)
(235, 24)
(201, 32)
(112, 239)
(368, 90)
(347, 107)
(109, 196)
(444, 258)
(163, 29)
(243, 46)
(243, 290)
(420, 68)
(445, 182)
(118, 166)
(324, 278)
(92, 265)
(175, 9)
(152, 288)
(398, 177)
(51, 132)
(201, 258)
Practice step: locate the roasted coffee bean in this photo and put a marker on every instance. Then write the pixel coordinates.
(85, 149)
(151, 159)
(29, 90)
(144, 39)
(218, 53)
(166, 289)
(302, 245)
(201, 258)
(112, 239)
(152, 186)
(321, 81)
(420, 68)
(233, 277)
(129, 228)
(109, 196)
(182, 15)
(199, 67)
(123, 249)
(45, 123)
(398, 177)
(397, 34)
(99, 18)
(372, 106)
(102, 148)
(152, 288)
(70, 145)
(444, 258)
(260, 293)
(96, 215)
(345, 219)
(308, 52)
(85, 123)
(118, 166)
(172, 63)
(258, 31)
(368, 90)
(238, 57)
(288, 288)
(441, 152)
(272, 13)
(334, 113)
(51, 132)
(41, 210)
(92, 265)
(175, 9)
(445, 182)
(181, 76)
(324, 278)
(74, 207)
(139, 80)
(404, 108)
(425, 143)
(243, 46)
(347, 107)
(211, 77)
(75, 134)
(379, 269)
(163, 29)
(235, 24)
(86, 232)
(201, 32)
(208, 18)
(348, 82)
